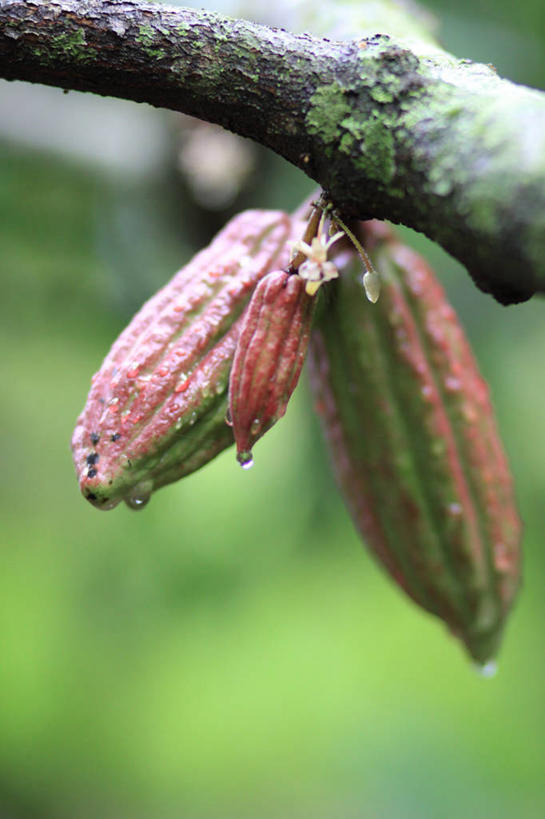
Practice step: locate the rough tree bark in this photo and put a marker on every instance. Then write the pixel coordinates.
(394, 131)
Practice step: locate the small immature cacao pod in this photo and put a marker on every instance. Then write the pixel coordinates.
(269, 357)
(156, 409)
(415, 446)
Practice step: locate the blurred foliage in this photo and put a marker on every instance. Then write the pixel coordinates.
(231, 651)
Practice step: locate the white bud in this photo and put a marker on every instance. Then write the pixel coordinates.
(371, 283)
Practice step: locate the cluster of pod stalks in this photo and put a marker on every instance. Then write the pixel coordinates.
(213, 358)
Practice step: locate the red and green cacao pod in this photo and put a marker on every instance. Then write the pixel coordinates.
(269, 357)
(156, 409)
(414, 443)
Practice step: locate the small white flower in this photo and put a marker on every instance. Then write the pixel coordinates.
(316, 269)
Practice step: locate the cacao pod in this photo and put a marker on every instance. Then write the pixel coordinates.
(270, 353)
(414, 443)
(156, 409)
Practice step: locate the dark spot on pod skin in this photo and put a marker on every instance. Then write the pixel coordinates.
(91, 472)
(116, 436)
(95, 438)
(91, 496)
(92, 458)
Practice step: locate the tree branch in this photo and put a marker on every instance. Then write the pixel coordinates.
(408, 134)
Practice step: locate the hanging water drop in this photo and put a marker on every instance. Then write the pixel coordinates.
(245, 459)
(487, 670)
(137, 502)
(255, 427)
(140, 495)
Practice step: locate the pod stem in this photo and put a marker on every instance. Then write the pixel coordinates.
(312, 230)
(355, 241)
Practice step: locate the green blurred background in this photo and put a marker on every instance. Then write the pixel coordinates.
(231, 650)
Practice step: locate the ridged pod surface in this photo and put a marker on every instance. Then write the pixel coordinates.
(415, 445)
(156, 409)
(270, 354)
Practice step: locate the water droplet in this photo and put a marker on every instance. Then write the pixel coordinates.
(183, 385)
(255, 427)
(220, 387)
(228, 419)
(452, 384)
(137, 503)
(487, 670)
(140, 495)
(192, 418)
(245, 459)
(454, 509)
(179, 423)
(427, 391)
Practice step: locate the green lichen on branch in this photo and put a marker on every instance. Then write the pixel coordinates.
(146, 36)
(393, 129)
(327, 109)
